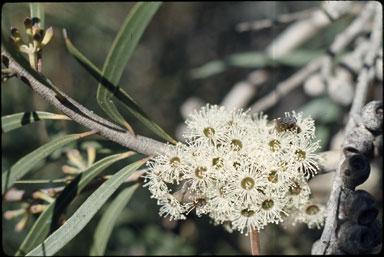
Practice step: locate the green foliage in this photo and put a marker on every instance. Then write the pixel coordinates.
(17, 120)
(84, 213)
(48, 219)
(104, 228)
(325, 112)
(255, 59)
(25, 164)
(322, 109)
(120, 93)
(119, 54)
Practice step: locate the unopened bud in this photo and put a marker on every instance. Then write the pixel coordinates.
(91, 155)
(47, 36)
(35, 29)
(37, 37)
(28, 27)
(75, 157)
(37, 208)
(13, 213)
(42, 196)
(14, 32)
(70, 170)
(22, 223)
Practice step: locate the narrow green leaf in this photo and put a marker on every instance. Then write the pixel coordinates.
(255, 59)
(17, 120)
(25, 164)
(37, 14)
(84, 213)
(104, 228)
(47, 220)
(120, 94)
(322, 109)
(121, 50)
(299, 57)
(44, 182)
(132, 106)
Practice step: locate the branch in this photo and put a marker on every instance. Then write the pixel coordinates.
(76, 111)
(286, 86)
(328, 243)
(266, 23)
(344, 38)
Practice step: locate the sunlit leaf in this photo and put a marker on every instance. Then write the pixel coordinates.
(84, 213)
(17, 120)
(47, 219)
(105, 226)
(120, 94)
(119, 54)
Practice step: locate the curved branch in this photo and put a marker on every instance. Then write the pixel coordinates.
(76, 111)
(328, 241)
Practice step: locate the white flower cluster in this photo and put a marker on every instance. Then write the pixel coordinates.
(239, 169)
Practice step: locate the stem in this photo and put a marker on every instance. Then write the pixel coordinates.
(32, 60)
(255, 242)
(76, 111)
(40, 61)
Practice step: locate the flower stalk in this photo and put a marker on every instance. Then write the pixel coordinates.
(255, 242)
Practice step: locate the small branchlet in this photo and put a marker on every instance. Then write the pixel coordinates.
(37, 40)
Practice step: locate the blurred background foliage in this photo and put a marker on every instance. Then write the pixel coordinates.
(181, 37)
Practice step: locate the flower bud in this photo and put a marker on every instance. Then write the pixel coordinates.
(42, 196)
(13, 213)
(36, 30)
(13, 195)
(47, 36)
(21, 225)
(75, 157)
(69, 170)
(28, 28)
(15, 33)
(37, 208)
(91, 155)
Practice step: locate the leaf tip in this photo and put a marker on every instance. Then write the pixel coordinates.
(65, 35)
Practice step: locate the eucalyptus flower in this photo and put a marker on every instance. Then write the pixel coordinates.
(241, 170)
